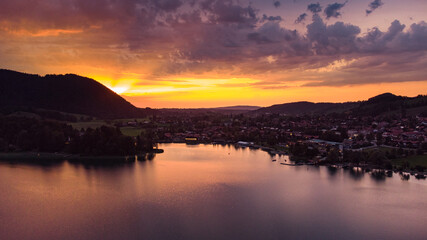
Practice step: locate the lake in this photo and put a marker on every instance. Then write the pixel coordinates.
(207, 192)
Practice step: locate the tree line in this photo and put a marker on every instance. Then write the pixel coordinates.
(22, 134)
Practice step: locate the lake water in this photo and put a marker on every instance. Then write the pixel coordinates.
(207, 192)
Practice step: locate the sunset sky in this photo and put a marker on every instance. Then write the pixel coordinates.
(209, 53)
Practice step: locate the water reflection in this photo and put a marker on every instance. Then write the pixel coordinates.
(206, 192)
(332, 170)
(356, 173)
(41, 163)
(378, 175)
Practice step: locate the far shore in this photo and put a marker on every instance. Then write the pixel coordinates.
(46, 156)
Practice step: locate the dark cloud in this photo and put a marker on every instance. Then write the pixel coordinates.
(314, 7)
(83, 14)
(258, 38)
(277, 4)
(376, 41)
(167, 5)
(227, 11)
(391, 68)
(332, 10)
(392, 56)
(395, 40)
(338, 38)
(415, 38)
(273, 33)
(271, 18)
(301, 18)
(374, 5)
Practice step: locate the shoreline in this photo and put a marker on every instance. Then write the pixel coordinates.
(305, 162)
(46, 156)
(35, 157)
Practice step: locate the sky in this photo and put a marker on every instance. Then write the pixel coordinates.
(210, 53)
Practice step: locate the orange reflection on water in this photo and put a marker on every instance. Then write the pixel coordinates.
(202, 192)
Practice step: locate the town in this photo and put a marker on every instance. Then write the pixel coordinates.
(386, 141)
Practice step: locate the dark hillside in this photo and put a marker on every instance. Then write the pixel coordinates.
(65, 93)
(300, 108)
(389, 103)
(385, 103)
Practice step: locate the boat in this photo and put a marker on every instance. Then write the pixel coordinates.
(404, 176)
(420, 176)
(289, 164)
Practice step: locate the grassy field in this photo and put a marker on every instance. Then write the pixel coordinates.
(131, 119)
(131, 131)
(91, 124)
(420, 160)
(413, 160)
(127, 131)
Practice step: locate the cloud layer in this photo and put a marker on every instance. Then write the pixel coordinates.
(196, 37)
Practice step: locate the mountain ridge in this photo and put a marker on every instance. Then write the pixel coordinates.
(385, 102)
(67, 93)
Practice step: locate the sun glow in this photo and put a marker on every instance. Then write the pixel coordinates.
(119, 85)
(118, 89)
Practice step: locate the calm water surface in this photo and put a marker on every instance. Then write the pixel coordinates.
(207, 192)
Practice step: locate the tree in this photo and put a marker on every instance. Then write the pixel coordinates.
(377, 157)
(333, 155)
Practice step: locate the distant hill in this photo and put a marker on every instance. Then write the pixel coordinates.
(224, 110)
(385, 97)
(238, 108)
(386, 103)
(66, 93)
(299, 108)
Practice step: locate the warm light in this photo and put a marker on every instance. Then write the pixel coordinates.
(41, 33)
(119, 86)
(119, 90)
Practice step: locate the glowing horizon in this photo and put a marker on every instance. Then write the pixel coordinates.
(209, 97)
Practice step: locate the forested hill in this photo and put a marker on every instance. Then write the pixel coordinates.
(386, 103)
(65, 93)
(389, 103)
